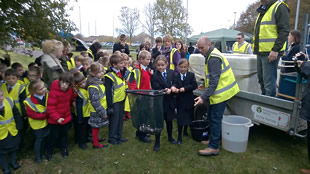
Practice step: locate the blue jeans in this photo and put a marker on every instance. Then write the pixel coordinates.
(215, 116)
(267, 75)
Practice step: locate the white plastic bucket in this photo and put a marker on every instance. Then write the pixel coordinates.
(235, 133)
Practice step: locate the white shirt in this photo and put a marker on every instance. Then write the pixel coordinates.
(163, 74)
(182, 76)
(39, 96)
(115, 70)
(143, 67)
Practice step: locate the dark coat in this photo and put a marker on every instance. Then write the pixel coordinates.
(158, 83)
(185, 100)
(295, 48)
(121, 48)
(305, 101)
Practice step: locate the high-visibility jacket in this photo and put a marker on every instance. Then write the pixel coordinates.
(36, 123)
(242, 50)
(268, 30)
(83, 93)
(119, 87)
(171, 66)
(137, 76)
(70, 63)
(7, 122)
(102, 96)
(227, 86)
(89, 51)
(14, 94)
(24, 82)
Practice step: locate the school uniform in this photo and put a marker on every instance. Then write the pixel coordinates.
(9, 137)
(185, 101)
(115, 91)
(37, 118)
(162, 80)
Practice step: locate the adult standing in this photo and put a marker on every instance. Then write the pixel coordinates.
(172, 54)
(241, 46)
(52, 68)
(270, 33)
(93, 50)
(121, 46)
(220, 86)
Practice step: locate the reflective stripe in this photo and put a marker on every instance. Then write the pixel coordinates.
(83, 98)
(246, 48)
(10, 101)
(33, 106)
(273, 20)
(7, 121)
(91, 53)
(267, 40)
(223, 70)
(225, 88)
(116, 86)
(137, 77)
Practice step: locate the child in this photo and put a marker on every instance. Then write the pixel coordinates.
(86, 64)
(9, 140)
(37, 116)
(134, 63)
(77, 62)
(163, 78)
(82, 109)
(21, 73)
(125, 58)
(17, 92)
(84, 54)
(34, 73)
(98, 108)
(185, 83)
(59, 103)
(140, 79)
(115, 91)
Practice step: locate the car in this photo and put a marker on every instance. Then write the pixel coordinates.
(136, 44)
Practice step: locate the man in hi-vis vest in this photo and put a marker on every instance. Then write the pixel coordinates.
(241, 46)
(220, 86)
(269, 41)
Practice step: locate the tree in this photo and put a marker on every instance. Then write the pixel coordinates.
(247, 19)
(171, 18)
(304, 8)
(34, 20)
(129, 19)
(149, 26)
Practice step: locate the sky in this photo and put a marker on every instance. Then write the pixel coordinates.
(99, 16)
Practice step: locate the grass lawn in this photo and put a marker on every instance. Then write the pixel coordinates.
(24, 60)
(269, 151)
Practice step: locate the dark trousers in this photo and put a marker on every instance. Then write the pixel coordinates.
(76, 128)
(116, 122)
(215, 116)
(58, 133)
(308, 138)
(4, 161)
(40, 141)
(83, 129)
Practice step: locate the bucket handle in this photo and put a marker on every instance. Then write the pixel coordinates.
(249, 125)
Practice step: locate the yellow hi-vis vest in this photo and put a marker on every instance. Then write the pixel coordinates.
(137, 76)
(89, 51)
(268, 31)
(102, 96)
(171, 65)
(119, 87)
(14, 94)
(242, 50)
(35, 123)
(227, 86)
(7, 123)
(71, 64)
(83, 93)
(24, 82)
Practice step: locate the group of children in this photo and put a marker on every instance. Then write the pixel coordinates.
(91, 95)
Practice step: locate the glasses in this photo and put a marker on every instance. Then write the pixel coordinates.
(238, 38)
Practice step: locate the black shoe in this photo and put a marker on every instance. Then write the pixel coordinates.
(83, 146)
(123, 140)
(172, 141)
(64, 153)
(38, 160)
(146, 140)
(179, 142)
(114, 142)
(101, 146)
(185, 134)
(49, 156)
(15, 165)
(156, 148)
(6, 171)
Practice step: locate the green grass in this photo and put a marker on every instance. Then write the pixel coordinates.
(24, 60)
(269, 151)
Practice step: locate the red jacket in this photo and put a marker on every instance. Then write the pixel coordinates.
(145, 80)
(59, 103)
(33, 114)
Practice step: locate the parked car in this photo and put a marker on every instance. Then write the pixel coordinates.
(136, 44)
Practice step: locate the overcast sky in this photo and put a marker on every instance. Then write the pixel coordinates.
(204, 15)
